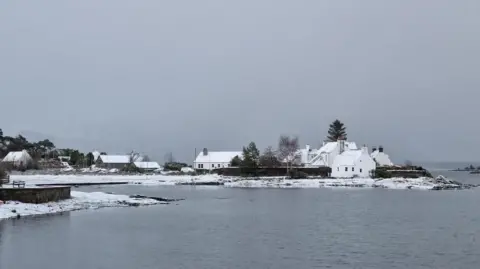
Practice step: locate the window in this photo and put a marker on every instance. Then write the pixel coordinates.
(338, 168)
(360, 170)
(353, 169)
(346, 169)
(200, 165)
(213, 166)
(218, 165)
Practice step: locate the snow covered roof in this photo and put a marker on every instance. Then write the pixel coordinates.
(147, 165)
(16, 156)
(348, 158)
(115, 158)
(381, 158)
(331, 146)
(217, 156)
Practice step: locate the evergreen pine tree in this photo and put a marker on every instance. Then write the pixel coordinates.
(90, 159)
(337, 130)
(251, 156)
(236, 162)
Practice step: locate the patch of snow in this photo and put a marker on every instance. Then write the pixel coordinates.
(79, 200)
(187, 170)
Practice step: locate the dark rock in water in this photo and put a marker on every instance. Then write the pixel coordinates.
(448, 184)
(212, 183)
(155, 198)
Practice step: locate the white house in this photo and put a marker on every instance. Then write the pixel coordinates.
(326, 154)
(380, 157)
(353, 163)
(215, 159)
(18, 159)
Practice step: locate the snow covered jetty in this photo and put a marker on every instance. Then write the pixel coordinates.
(78, 201)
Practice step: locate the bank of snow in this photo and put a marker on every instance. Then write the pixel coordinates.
(391, 183)
(79, 200)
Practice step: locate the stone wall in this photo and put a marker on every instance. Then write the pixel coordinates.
(35, 195)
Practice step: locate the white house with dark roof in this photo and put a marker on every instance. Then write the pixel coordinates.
(209, 160)
(353, 163)
(380, 157)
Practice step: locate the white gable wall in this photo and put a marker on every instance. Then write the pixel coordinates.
(349, 166)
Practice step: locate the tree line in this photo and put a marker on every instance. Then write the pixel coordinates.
(286, 152)
(38, 149)
(43, 149)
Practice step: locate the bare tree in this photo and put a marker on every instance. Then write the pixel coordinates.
(169, 158)
(146, 158)
(287, 148)
(269, 158)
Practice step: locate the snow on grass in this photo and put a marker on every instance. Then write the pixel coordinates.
(129, 179)
(79, 200)
(272, 182)
(391, 183)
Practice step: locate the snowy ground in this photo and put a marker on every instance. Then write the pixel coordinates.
(79, 200)
(392, 183)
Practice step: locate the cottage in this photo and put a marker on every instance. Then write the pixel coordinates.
(147, 166)
(215, 159)
(353, 163)
(380, 157)
(18, 159)
(113, 161)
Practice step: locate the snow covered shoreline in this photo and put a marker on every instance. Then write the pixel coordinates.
(79, 201)
(235, 182)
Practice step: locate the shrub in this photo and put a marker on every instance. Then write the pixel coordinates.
(295, 174)
(130, 168)
(381, 173)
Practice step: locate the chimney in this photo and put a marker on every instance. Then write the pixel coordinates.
(341, 144)
(365, 149)
(205, 151)
(380, 149)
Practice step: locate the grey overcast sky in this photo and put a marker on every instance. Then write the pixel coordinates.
(158, 76)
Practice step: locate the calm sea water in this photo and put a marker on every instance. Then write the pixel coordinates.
(256, 228)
